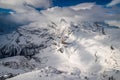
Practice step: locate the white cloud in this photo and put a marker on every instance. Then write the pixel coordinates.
(114, 23)
(83, 6)
(83, 12)
(78, 13)
(24, 5)
(114, 2)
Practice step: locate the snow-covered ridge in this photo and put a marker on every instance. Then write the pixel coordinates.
(28, 40)
(50, 73)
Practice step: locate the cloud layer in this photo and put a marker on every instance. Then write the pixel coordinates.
(26, 12)
(24, 5)
(114, 2)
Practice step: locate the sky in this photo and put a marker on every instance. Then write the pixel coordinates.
(74, 2)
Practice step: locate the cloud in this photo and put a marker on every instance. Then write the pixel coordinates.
(114, 23)
(24, 5)
(83, 6)
(89, 12)
(114, 2)
(83, 12)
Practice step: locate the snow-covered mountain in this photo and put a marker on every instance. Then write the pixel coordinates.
(78, 42)
(68, 50)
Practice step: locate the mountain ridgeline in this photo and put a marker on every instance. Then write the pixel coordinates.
(27, 41)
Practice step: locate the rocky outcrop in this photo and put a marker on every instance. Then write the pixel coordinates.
(23, 42)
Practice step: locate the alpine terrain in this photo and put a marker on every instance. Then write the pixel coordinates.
(59, 44)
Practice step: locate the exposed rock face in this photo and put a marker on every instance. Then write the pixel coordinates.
(21, 63)
(13, 50)
(25, 42)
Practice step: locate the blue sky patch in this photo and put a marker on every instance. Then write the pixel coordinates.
(63, 3)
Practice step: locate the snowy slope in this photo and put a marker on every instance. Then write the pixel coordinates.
(48, 73)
